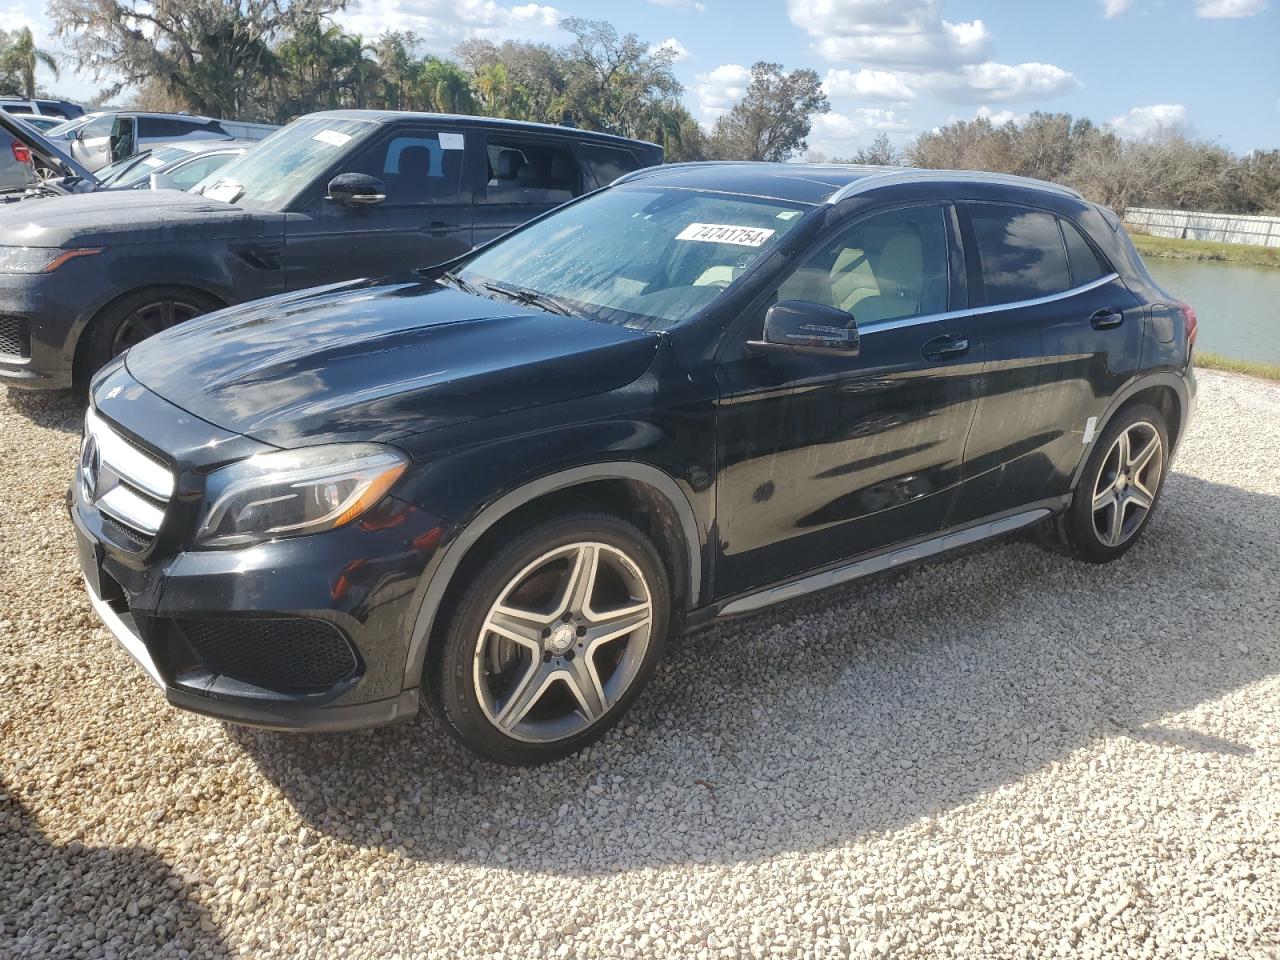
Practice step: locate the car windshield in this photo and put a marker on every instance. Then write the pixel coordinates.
(132, 169)
(644, 257)
(66, 126)
(114, 174)
(273, 172)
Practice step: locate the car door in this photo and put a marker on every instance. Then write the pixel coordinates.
(424, 219)
(823, 458)
(520, 177)
(1063, 333)
(92, 142)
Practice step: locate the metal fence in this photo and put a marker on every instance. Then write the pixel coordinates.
(1223, 227)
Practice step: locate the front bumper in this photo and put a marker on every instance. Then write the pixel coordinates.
(46, 319)
(308, 633)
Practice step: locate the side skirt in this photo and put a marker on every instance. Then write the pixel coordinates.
(887, 559)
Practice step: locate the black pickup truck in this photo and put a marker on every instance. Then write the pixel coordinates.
(333, 196)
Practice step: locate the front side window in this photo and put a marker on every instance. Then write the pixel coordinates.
(99, 127)
(889, 266)
(1020, 251)
(416, 167)
(530, 172)
(187, 175)
(648, 258)
(285, 163)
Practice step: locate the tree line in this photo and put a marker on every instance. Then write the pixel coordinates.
(273, 60)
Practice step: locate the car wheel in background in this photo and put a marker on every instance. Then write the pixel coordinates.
(1119, 488)
(558, 632)
(131, 319)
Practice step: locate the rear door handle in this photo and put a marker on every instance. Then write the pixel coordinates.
(945, 347)
(1106, 318)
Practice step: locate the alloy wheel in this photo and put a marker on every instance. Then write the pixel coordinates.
(148, 320)
(563, 642)
(1125, 489)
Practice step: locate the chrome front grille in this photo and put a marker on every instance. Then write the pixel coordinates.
(126, 485)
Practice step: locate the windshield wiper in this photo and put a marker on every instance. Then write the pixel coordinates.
(453, 279)
(534, 298)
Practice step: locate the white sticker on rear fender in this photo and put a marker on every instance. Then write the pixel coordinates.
(725, 233)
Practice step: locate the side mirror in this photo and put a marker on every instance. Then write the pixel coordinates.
(356, 189)
(802, 326)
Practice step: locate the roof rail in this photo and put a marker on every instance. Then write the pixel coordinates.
(918, 175)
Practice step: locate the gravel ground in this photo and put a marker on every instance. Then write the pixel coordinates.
(999, 754)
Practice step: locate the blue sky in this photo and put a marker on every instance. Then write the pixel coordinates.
(902, 66)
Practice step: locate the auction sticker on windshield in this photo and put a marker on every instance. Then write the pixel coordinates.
(332, 137)
(725, 233)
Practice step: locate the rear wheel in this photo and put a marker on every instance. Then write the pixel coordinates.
(1119, 488)
(132, 319)
(556, 636)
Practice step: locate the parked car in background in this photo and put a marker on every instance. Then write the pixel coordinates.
(177, 166)
(707, 389)
(23, 106)
(43, 124)
(17, 169)
(108, 137)
(332, 196)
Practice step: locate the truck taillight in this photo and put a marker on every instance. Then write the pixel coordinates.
(21, 152)
(1193, 325)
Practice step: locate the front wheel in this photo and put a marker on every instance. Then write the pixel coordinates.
(132, 319)
(557, 634)
(1119, 488)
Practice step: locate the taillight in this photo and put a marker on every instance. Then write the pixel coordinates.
(21, 152)
(1193, 325)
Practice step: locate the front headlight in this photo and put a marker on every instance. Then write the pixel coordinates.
(296, 492)
(40, 259)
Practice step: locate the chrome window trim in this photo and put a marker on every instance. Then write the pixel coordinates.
(147, 474)
(873, 326)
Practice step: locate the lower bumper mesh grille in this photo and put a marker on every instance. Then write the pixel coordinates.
(287, 654)
(15, 337)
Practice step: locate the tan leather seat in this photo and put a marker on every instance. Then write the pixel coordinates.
(899, 274)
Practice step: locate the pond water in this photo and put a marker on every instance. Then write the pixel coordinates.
(1238, 304)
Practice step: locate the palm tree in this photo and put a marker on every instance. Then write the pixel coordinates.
(22, 57)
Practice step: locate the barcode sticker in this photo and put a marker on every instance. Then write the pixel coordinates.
(725, 233)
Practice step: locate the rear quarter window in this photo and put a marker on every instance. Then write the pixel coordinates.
(1085, 264)
(1020, 252)
(607, 164)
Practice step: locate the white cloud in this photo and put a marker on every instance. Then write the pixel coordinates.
(680, 51)
(1215, 9)
(985, 82)
(840, 134)
(1114, 8)
(895, 33)
(697, 7)
(1142, 121)
(718, 90)
(442, 24)
(1001, 117)
(890, 85)
(15, 18)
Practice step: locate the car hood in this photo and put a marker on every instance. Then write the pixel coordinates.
(45, 149)
(376, 361)
(114, 217)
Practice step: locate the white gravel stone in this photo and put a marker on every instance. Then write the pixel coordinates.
(1003, 754)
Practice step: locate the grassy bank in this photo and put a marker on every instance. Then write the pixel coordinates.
(1205, 250)
(1254, 368)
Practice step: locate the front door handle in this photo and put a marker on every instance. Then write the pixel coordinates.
(945, 347)
(1106, 318)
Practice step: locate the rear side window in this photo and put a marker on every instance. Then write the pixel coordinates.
(1085, 265)
(159, 128)
(529, 171)
(607, 164)
(1021, 252)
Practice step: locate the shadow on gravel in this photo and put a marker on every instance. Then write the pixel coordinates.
(859, 711)
(91, 901)
(57, 411)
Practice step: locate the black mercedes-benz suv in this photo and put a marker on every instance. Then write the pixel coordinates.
(499, 486)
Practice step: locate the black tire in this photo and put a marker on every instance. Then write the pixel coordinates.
(456, 666)
(1084, 533)
(131, 319)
